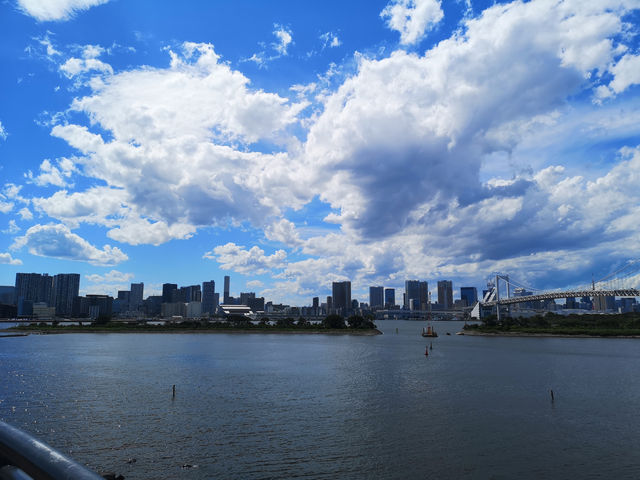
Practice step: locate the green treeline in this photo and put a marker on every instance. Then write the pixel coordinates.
(588, 324)
(232, 322)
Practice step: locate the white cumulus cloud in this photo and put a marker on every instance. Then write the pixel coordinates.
(248, 262)
(7, 259)
(412, 18)
(57, 241)
(408, 134)
(56, 10)
(113, 276)
(180, 154)
(50, 174)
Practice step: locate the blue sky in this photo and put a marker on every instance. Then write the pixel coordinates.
(292, 144)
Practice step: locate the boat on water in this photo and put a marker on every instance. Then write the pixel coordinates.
(428, 331)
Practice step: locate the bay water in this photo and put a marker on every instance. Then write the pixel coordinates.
(267, 406)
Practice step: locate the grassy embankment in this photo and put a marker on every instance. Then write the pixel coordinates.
(608, 325)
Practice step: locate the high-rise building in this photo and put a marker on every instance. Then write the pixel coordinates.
(66, 287)
(376, 297)
(152, 305)
(329, 304)
(100, 306)
(123, 302)
(469, 295)
(256, 304)
(192, 293)
(341, 297)
(226, 298)
(32, 288)
(389, 297)
(245, 297)
(7, 294)
(602, 304)
(418, 291)
(137, 294)
(209, 305)
(445, 294)
(167, 292)
(424, 296)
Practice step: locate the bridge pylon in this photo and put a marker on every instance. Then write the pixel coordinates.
(497, 287)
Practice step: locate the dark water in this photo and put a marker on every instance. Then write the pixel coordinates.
(323, 407)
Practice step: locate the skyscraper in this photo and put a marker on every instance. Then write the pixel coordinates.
(31, 288)
(245, 297)
(418, 291)
(376, 297)
(469, 294)
(445, 294)
(123, 301)
(66, 287)
(167, 292)
(209, 297)
(389, 297)
(226, 298)
(137, 294)
(192, 293)
(341, 297)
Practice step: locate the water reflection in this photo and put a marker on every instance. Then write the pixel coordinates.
(279, 406)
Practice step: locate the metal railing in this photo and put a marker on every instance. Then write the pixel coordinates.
(23, 457)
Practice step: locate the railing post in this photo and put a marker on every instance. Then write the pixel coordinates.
(37, 459)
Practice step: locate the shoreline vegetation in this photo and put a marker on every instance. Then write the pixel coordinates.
(332, 325)
(622, 325)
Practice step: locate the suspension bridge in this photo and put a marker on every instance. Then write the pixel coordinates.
(624, 282)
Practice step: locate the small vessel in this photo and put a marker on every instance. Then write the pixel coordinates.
(429, 332)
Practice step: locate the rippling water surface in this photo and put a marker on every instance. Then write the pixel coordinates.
(251, 406)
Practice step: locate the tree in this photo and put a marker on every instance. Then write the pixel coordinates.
(239, 320)
(284, 322)
(333, 321)
(356, 321)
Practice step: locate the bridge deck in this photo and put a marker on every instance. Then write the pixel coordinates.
(629, 292)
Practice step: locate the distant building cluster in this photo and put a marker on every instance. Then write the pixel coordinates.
(45, 297)
(417, 302)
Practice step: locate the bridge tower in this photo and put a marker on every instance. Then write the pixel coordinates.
(497, 287)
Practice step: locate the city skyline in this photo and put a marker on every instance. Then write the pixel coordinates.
(206, 289)
(291, 146)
